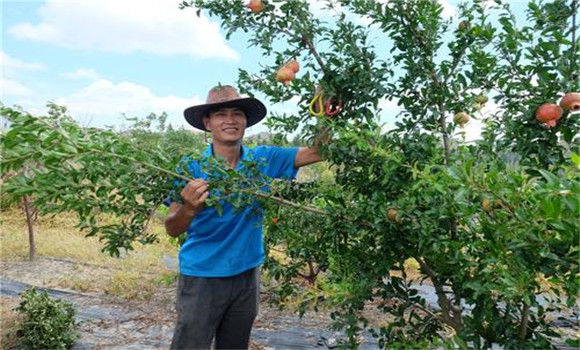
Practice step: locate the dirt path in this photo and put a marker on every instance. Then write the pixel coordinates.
(113, 323)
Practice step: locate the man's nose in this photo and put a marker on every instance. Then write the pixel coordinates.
(230, 117)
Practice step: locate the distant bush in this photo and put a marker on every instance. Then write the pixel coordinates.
(47, 323)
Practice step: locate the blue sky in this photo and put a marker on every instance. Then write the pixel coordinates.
(102, 58)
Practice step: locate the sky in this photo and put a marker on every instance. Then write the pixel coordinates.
(107, 58)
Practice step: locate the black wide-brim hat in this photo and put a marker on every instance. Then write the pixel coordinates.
(225, 96)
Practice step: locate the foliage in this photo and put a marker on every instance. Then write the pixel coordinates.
(486, 221)
(95, 172)
(152, 131)
(47, 323)
(87, 171)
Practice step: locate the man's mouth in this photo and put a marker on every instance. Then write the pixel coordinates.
(230, 129)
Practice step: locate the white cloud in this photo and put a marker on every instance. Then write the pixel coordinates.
(102, 103)
(10, 87)
(152, 26)
(11, 66)
(82, 73)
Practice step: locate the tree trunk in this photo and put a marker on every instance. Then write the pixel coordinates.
(30, 224)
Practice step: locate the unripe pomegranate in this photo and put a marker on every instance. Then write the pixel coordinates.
(461, 119)
(284, 75)
(464, 25)
(481, 99)
(548, 114)
(256, 6)
(293, 65)
(571, 101)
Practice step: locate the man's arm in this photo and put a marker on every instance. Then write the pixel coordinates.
(309, 155)
(306, 156)
(180, 215)
(178, 219)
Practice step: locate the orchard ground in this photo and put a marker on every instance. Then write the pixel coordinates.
(129, 302)
(122, 303)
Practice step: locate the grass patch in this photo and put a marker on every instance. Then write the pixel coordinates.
(58, 238)
(86, 268)
(131, 285)
(9, 320)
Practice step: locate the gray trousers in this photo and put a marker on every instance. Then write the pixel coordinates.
(216, 307)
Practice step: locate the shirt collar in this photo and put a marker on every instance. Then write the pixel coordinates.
(208, 153)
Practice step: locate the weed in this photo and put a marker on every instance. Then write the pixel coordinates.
(47, 323)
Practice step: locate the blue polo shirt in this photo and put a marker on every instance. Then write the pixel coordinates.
(231, 243)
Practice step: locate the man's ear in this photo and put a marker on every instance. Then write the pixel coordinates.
(206, 123)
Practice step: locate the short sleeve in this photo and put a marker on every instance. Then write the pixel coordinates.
(278, 161)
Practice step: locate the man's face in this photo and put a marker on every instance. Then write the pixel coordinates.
(226, 124)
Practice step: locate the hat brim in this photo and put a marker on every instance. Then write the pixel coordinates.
(254, 109)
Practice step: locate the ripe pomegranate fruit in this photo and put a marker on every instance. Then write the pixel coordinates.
(256, 6)
(461, 119)
(284, 75)
(293, 65)
(275, 220)
(548, 114)
(571, 101)
(486, 205)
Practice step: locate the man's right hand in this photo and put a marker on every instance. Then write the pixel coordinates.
(194, 195)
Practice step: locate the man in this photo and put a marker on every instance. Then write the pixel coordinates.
(218, 292)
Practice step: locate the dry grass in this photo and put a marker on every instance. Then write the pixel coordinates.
(85, 267)
(8, 323)
(58, 238)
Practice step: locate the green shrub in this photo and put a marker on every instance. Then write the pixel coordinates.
(47, 323)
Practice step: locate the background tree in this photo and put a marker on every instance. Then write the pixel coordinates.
(94, 172)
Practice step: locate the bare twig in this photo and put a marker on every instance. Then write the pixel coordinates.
(314, 53)
(291, 204)
(306, 41)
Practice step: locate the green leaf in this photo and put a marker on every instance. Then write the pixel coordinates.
(575, 159)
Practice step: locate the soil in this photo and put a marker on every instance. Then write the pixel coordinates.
(108, 322)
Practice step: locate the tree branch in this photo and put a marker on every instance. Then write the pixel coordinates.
(451, 314)
(524, 321)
